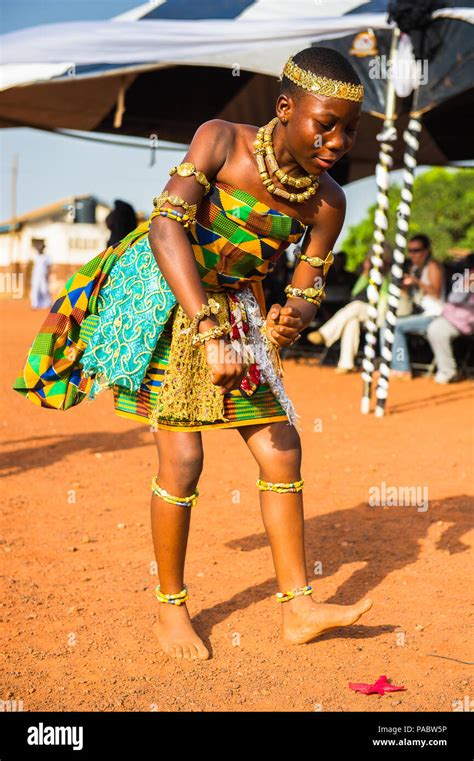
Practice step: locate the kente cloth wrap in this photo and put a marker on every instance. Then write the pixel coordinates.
(52, 376)
(106, 328)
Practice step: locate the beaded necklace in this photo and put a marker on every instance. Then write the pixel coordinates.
(267, 164)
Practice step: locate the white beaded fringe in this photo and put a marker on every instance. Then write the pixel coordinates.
(262, 354)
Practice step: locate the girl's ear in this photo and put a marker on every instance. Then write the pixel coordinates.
(283, 107)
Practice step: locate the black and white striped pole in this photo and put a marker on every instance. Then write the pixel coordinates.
(382, 176)
(375, 275)
(412, 144)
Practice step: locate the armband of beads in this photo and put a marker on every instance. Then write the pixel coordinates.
(212, 307)
(186, 218)
(313, 295)
(206, 310)
(189, 170)
(316, 261)
(217, 332)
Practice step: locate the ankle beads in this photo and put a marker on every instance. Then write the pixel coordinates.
(281, 488)
(177, 599)
(181, 501)
(285, 596)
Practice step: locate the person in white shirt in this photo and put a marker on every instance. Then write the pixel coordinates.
(39, 293)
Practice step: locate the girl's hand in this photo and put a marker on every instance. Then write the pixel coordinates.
(284, 325)
(225, 365)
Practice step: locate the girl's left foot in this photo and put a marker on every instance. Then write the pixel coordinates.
(304, 619)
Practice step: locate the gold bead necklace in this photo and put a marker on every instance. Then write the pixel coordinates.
(267, 164)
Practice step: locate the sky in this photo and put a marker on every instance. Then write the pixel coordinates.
(51, 167)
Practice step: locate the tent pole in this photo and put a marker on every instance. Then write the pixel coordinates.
(387, 136)
(412, 144)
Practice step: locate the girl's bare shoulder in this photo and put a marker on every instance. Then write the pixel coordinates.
(329, 203)
(331, 192)
(217, 132)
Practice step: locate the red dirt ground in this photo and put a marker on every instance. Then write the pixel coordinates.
(77, 555)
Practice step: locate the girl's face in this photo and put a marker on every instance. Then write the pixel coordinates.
(319, 130)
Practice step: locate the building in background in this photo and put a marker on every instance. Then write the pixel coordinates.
(73, 230)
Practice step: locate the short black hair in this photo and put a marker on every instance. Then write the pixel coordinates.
(423, 239)
(326, 62)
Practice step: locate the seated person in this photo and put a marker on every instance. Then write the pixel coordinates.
(425, 283)
(345, 324)
(457, 318)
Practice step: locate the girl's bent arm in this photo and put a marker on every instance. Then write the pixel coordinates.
(168, 239)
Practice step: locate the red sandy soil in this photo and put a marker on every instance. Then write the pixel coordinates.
(78, 581)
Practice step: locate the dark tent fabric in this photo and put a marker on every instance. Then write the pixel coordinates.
(146, 73)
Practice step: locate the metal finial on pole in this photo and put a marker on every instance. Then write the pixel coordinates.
(382, 174)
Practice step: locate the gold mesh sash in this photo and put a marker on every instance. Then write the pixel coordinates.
(187, 392)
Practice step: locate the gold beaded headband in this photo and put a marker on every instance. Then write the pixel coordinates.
(332, 88)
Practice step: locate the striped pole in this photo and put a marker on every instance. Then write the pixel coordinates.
(375, 275)
(382, 176)
(412, 144)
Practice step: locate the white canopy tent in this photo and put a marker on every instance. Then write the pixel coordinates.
(168, 65)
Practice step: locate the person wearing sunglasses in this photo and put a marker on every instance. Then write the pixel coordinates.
(425, 283)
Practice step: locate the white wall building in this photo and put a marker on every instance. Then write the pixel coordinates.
(73, 230)
(69, 240)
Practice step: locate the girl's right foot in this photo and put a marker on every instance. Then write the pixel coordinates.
(175, 633)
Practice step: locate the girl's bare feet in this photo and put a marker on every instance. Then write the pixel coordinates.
(304, 619)
(175, 633)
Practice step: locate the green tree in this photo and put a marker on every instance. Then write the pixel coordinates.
(443, 200)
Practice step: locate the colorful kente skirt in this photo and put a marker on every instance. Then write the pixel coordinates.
(130, 335)
(261, 407)
(141, 349)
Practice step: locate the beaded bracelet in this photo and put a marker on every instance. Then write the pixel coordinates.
(212, 307)
(176, 599)
(177, 216)
(281, 488)
(217, 332)
(285, 596)
(186, 169)
(187, 218)
(313, 295)
(170, 498)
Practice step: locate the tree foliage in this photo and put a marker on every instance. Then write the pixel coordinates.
(443, 200)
